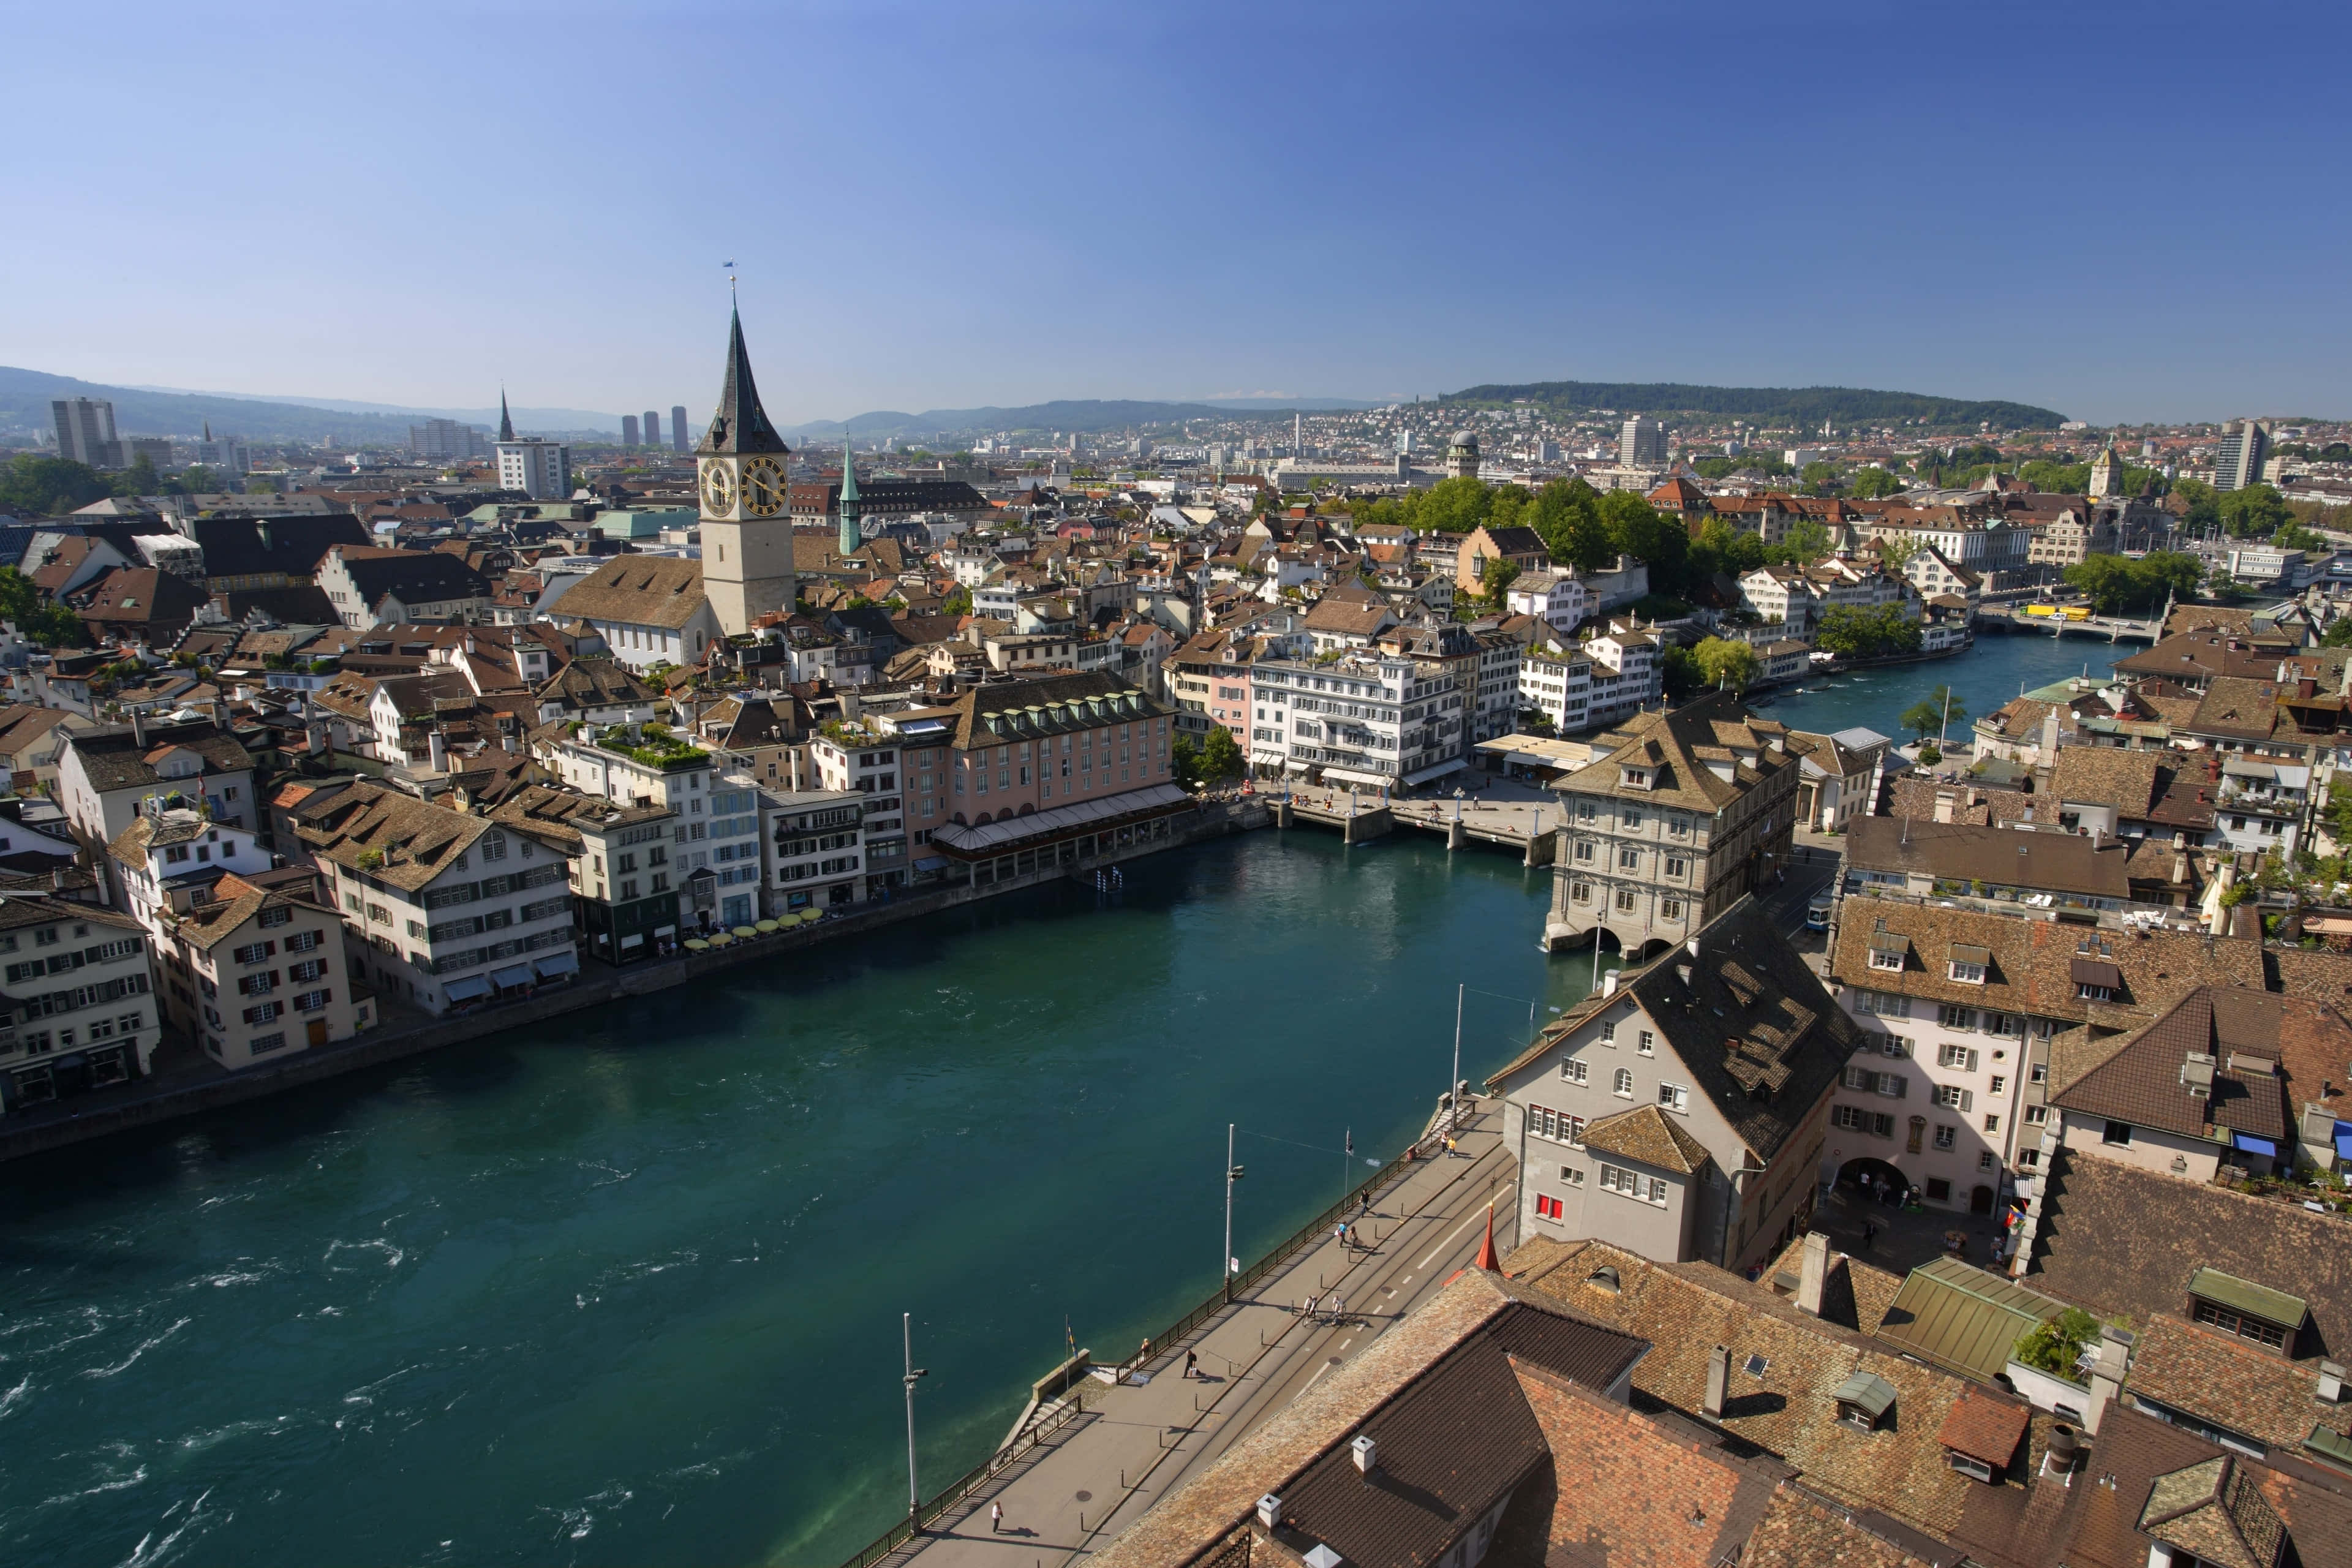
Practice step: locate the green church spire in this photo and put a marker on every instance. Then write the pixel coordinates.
(851, 539)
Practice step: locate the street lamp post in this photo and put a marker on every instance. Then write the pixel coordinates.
(1453, 1084)
(914, 1494)
(1232, 1175)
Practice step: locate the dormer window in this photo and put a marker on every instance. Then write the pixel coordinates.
(1864, 1401)
(1637, 778)
(1887, 956)
(1968, 964)
(2251, 1312)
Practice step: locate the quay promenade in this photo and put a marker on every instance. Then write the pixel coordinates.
(1136, 1443)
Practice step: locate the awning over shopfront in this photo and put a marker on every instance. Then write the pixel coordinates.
(467, 989)
(1422, 775)
(2248, 1143)
(564, 962)
(514, 974)
(993, 836)
(1348, 776)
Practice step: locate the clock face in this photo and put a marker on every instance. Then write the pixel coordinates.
(719, 490)
(763, 488)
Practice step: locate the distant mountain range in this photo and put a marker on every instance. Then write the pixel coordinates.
(1803, 408)
(1087, 416)
(25, 396)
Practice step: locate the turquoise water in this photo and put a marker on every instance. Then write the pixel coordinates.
(1991, 673)
(627, 1290)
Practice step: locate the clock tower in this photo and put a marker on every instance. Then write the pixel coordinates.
(747, 529)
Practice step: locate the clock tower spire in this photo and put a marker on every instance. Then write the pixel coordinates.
(747, 533)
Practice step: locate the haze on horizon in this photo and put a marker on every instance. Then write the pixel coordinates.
(2123, 212)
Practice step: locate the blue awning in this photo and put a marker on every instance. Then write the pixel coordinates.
(2253, 1145)
(465, 990)
(564, 962)
(2343, 1141)
(515, 975)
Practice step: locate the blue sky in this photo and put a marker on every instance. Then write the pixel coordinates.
(2123, 213)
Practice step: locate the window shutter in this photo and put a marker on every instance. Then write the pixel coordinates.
(1972, 1060)
(1968, 1100)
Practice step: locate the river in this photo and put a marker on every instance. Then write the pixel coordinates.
(1994, 672)
(626, 1289)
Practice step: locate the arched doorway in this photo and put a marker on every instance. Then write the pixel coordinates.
(1864, 1171)
(1980, 1200)
(1647, 950)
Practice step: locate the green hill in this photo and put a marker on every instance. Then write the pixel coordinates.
(1799, 407)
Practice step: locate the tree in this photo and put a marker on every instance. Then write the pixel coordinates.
(1852, 632)
(48, 487)
(1679, 666)
(140, 478)
(1818, 477)
(1565, 515)
(1453, 506)
(1807, 539)
(2118, 587)
(2338, 634)
(1496, 580)
(1184, 762)
(1929, 714)
(2255, 512)
(1873, 484)
(1726, 665)
(1221, 757)
(52, 625)
(2056, 478)
(2056, 1345)
(1897, 552)
(957, 604)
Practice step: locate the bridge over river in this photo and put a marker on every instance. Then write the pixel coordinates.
(2107, 628)
(1526, 826)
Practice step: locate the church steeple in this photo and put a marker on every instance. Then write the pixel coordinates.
(740, 425)
(851, 541)
(506, 421)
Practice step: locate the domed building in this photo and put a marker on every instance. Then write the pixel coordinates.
(1462, 457)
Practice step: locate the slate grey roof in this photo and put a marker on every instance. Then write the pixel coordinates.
(740, 427)
(117, 759)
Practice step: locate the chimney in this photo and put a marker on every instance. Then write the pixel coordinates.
(1269, 1510)
(2106, 1375)
(1718, 1382)
(1366, 1452)
(138, 728)
(2179, 858)
(1609, 985)
(1813, 1272)
(437, 751)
